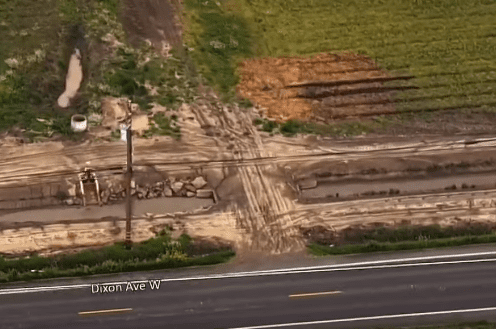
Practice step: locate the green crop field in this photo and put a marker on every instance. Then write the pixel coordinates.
(448, 45)
(26, 26)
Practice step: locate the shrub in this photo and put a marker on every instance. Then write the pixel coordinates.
(373, 246)
(257, 121)
(291, 127)
(156, 253)
(268, 126)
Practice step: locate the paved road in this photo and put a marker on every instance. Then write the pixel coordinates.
(268, 298)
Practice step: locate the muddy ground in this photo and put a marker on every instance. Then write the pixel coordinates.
(347, 87)
(265, 82)
(322, 223)
(236, 172)
(460, 209)
(256, 176)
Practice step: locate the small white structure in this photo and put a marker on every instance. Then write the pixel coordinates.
(79, 123)
(123, 132)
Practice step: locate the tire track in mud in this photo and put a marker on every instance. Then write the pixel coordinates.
(266, 230)
(116, 149)
(430, 209)
(271, 222)
(201, 150)
(68, 161)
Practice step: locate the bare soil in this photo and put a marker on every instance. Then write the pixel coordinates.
(316, 223)
(443, 123)
(265, 82)
(345, 87)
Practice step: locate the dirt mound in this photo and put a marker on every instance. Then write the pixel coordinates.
(326, 85)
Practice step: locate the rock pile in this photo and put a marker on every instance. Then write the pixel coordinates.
(166, 188)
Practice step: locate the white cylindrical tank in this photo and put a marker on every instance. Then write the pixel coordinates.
(79, 123)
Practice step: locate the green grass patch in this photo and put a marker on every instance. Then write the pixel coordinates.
(402, 238)
(33, 67)
(164, 126)
(293, 127)
(220, 39)
(321, 250)
(407, 233)
(26, 25)
(269, 126)
(157, 253)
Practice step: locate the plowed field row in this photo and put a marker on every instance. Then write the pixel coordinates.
(448, 46)
(415, 37)
(410, 17)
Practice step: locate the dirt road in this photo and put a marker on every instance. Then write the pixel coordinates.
(43, 162)
(444, 209)
(261, 214)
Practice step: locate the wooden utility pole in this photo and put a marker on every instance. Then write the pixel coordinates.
(129, 176)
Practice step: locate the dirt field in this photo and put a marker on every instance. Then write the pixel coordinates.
(345, 87)
(264, 81)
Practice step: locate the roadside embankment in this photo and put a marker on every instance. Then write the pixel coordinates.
(159, 252)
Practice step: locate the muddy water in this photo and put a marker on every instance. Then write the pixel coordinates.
(73, 79)
(424, 184)
(140, 207)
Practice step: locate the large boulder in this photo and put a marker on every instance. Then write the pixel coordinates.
(190, 188)
(167, 191)
(214, 176)
(199, 182)
(177, 186)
